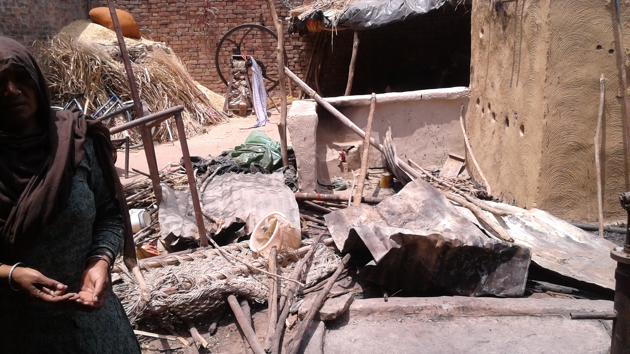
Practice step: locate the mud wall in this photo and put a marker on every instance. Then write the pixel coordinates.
(535, 72)
(425, 128)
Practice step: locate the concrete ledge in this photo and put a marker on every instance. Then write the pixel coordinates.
(433, 307)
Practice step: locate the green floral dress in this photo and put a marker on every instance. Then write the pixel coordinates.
(90, 223)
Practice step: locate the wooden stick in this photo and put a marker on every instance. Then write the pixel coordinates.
(475, 201)
(492, 226)
(353, 63)
(199, 339)
(287, 300)
(273, 300)
(598, 147)
(282, 127)
(162, 336)
(469, 150)
(244, 323)
(247, 312)
(312, 219)
(317, 207)
(366, 152)
(623, 84)
(294, 345)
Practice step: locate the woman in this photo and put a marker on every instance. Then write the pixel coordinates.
(60, 222)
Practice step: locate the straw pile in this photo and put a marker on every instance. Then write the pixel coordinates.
(84, 60)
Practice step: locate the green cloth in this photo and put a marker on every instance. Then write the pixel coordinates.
(258, 150)
(90, 222)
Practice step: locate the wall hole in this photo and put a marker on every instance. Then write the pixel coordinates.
(483, 110)
(522, 129)
(507, 123)
(478, 101)
(494, 116)
(611, 51)
(599, 47)
(489, 105)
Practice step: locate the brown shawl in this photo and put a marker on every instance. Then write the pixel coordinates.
(36, 171)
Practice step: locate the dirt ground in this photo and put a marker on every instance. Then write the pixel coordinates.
(218, 139)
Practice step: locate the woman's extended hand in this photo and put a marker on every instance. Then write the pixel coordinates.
(39, 286)
(93, 284)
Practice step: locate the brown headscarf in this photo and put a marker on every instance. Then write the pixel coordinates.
(36, 171)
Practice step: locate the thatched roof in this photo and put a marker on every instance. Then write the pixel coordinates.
(359, 14)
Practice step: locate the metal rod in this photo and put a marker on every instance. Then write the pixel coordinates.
(181, 133)
(114, 113)
(151, 118)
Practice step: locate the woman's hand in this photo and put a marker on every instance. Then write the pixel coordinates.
(93, 285)
(39, 286)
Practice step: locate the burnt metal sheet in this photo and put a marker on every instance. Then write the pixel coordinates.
(560, 247)
(419, 242)
(228, 199)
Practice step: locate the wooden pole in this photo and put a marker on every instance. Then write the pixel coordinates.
(294, 345)
(282, 127)
(244, 323)
(623, 84)
(598, 151)
(272, 307)
(366, 152)
(470, 153)
(145, 133)
(353, 63)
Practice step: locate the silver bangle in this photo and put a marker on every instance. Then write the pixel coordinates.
(11, 276)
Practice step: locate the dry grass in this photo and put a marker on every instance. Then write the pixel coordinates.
(76, 68)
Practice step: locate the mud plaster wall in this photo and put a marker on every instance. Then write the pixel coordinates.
(425, 131)
(535, 72)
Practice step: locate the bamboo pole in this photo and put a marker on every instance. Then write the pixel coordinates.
(623, 84)
(244, 323)
(366, 152)
(353, 63)
(598, 146)
(469, 150)
(282, 127)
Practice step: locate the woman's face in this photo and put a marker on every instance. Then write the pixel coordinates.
(18, 100)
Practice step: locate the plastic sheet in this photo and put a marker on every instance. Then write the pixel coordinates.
(366, 14)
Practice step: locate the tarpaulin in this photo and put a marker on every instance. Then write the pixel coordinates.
(366, 14)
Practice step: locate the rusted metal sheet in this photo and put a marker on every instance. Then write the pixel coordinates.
(420, 242)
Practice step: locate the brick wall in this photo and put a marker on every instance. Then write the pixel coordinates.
(27, 21)
(193, 28)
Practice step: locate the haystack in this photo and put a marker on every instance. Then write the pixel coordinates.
(83, 60)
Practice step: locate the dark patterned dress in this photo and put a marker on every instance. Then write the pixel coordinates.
(91, 221)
